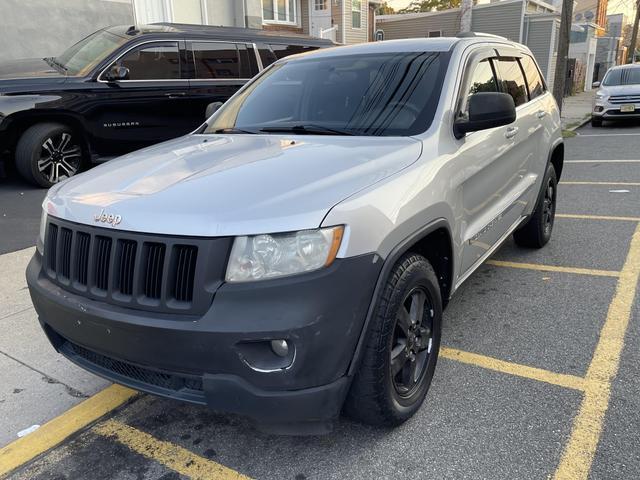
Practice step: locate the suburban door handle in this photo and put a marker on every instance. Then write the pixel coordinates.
(511, 132)
(541, 113)
(175, 94)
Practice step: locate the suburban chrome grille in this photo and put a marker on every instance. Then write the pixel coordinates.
(143, 271)
(622, 99)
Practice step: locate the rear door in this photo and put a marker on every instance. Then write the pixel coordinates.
(218, 70)
(145, 108)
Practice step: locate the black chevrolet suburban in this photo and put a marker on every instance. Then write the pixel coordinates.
(124, 88)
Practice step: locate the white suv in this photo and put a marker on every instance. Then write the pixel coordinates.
(293, 256)
(618, 96)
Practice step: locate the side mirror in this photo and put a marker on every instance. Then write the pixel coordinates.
(115, 73)
(595, 85)
(486, 110)
(211, 109)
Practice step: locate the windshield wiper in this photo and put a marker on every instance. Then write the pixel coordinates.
(55, 63)
(232, 130)
(308, 129)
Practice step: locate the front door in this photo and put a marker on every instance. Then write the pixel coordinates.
(320, 17)
(146, 107)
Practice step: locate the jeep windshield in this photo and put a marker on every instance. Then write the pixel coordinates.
(622, 76)
(80, 58)
(385, 94)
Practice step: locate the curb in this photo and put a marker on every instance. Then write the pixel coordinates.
(580, 124)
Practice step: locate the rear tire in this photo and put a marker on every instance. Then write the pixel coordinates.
(537, 231)
(596, 122)
(48, 153)
(401, 347)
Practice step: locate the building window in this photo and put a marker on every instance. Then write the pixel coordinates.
(320, 5)
(280, 11)
(356, 13)
(434, 33)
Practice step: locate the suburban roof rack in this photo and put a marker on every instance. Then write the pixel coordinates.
(478, 34)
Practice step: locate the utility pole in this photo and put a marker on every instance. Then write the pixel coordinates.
(466, 9)
(563, 51)
(634, 35)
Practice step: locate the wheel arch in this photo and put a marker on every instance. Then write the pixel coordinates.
(20, 121)
(556, 157)
(435, 242)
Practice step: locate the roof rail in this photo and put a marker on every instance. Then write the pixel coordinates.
(478, 34)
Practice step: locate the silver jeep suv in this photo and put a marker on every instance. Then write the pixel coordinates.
(292, 257)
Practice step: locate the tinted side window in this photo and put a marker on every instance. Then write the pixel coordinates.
(248, 62)
(266, 55)
(511, 79)
(216, 60)
(483, 79)
(536, 85)
(153, 62)
(282, 51)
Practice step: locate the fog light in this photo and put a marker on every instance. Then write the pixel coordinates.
(280, 347)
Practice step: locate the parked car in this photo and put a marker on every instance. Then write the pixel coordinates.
(618, 96)
(293, 256)
(124, 88)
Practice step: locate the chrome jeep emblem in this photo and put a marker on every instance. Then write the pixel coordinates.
(108, 218)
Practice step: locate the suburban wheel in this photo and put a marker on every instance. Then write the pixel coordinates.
(48, 153)
(402, 346)
(596, 122)
(537, 231)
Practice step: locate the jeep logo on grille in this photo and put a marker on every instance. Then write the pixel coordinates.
(110, 218)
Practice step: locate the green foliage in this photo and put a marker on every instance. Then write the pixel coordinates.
(429, 5)
(385, 9)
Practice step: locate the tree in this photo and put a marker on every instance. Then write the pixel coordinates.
(385, 9)
(429, 5)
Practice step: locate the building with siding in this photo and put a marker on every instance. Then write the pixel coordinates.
(343, 21)
(531, 22)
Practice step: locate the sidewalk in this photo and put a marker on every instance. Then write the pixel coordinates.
(576, 110)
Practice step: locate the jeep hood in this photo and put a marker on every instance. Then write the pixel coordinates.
(218, 185)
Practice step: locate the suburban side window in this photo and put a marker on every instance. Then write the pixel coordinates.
(216, 60)
(534, 80)
(282, 51)
(266, 55)
(250, 66)
(152, 62)
(511, 79)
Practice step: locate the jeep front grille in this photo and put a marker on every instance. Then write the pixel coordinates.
(143, 271)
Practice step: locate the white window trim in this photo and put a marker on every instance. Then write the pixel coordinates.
(361, 16)
(296, 6)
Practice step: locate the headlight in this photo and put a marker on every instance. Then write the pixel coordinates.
(600, 96)
(260, 257)
(43, 227)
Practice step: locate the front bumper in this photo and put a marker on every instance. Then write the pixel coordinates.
(212, 359)
(608, 111)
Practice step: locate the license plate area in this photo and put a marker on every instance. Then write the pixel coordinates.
(627, 108)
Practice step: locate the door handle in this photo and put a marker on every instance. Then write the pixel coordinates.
(175, 94)
(541, 113)
(511, 132)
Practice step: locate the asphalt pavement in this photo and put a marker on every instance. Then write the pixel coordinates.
(527, 386)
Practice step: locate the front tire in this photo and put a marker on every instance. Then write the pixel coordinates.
(401, 348)
(48, 153)
(536, 233)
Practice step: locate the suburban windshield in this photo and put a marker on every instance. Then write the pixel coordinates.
(88, 52)
(375, 94)
(622, 76)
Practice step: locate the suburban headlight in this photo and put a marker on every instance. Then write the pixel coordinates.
(43, 227)
(260, 257)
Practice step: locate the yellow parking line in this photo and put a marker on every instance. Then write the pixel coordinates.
(57, 430)
(587, 427)
(609, 184)
(602, 161)
(598, 217)
(553, 268)
(168, 454)
(533, 373)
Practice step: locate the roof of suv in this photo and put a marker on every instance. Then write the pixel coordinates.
(439, 44)
(207, 31)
